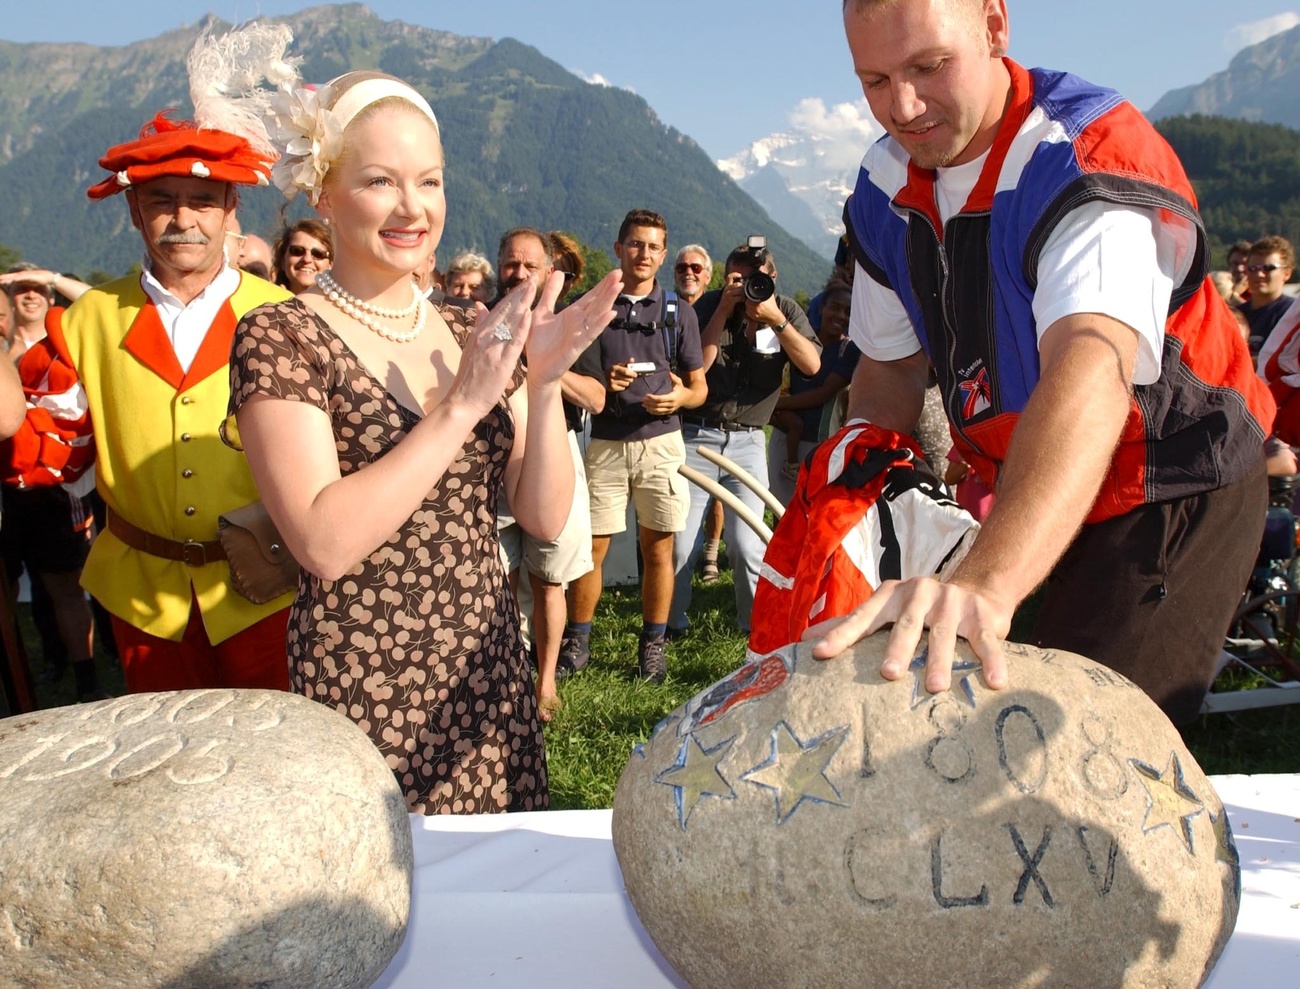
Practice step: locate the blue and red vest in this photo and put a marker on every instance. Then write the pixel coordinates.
(968, 287)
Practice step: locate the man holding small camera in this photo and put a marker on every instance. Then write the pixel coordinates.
(650, 355)
(750, 334)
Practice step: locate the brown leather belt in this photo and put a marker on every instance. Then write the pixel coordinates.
(191, 552)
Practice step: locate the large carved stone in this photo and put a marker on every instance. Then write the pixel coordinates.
(805, 823)
(198, 839)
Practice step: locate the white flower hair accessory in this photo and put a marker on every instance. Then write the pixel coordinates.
(306, 125)
(309, 137)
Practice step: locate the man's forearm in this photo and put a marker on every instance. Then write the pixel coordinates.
(803, 353)
(584, 392)
(711, 336)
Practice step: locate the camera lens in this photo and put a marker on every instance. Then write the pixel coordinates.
(758, 286)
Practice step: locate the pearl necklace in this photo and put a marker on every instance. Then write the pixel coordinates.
(364, 312)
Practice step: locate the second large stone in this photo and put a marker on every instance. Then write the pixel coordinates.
(198, 839)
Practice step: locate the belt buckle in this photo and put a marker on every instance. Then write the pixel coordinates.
(193, 553)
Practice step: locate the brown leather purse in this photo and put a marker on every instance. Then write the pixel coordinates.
(261, 566)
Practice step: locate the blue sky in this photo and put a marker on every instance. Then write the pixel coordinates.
(730, 74)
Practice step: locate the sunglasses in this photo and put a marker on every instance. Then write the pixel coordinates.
(1263, 269)
(297, 251)
(683, 268)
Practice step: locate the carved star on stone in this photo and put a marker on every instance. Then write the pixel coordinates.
(1225, 849)
(796, 771)
(695, 775)
(920, 695)
(1170, 801)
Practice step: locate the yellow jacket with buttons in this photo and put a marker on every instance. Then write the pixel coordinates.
(161, 464)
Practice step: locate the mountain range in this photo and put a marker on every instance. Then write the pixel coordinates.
(803, 175)
(526, 142)
(1260, 84)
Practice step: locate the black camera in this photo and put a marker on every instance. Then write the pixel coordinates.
(758, 285)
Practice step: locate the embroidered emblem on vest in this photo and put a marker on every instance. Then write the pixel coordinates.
(978, 396)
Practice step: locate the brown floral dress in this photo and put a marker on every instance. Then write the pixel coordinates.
(419, 643)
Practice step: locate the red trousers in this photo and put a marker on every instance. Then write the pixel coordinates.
(255, 657)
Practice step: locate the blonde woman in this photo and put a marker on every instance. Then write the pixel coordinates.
(380, 430)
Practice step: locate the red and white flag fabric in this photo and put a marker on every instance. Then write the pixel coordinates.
(55, 444)
(1279, 366)
(866, 509)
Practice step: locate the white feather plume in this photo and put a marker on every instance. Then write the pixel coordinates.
(226, 72)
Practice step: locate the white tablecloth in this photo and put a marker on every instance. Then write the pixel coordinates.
(537, 901)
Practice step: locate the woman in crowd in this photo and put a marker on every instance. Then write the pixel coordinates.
(380, 430)
(469, 277)
(568, 261)
(302, 251)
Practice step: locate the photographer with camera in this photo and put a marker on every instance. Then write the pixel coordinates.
(750, 333)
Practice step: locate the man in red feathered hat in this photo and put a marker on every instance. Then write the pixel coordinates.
(151, 351)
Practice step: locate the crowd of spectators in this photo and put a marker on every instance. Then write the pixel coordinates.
(720, 371)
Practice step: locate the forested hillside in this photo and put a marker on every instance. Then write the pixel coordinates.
(1246, 175)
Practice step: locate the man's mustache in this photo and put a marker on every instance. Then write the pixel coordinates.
(193, 237)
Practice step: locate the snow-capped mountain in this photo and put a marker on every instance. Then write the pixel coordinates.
(803, 175)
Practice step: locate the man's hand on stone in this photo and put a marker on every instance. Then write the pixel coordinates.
(948, 610)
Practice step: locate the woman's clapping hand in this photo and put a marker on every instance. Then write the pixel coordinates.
(557, 339)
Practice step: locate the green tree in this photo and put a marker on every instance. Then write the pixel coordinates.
(1246, 176)
(596, 265)
(9, 256)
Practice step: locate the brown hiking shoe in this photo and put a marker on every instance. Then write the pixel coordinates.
(652, 663)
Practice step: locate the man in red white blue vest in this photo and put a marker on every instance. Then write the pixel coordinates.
(1031, 237)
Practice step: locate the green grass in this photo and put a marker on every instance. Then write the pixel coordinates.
(607, 710)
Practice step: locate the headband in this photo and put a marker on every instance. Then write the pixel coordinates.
(369, 91)
(308, 131)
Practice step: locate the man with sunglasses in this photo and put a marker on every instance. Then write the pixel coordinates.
(692, 273)
(1268, 268)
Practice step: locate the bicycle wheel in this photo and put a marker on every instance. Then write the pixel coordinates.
(1265, 629)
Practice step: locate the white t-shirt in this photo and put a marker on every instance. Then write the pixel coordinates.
(1102, 258)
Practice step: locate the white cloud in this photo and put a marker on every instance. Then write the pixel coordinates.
(596, 79)
(842, 133)
(1245, 35)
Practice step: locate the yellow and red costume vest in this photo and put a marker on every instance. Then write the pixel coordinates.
(160, 461)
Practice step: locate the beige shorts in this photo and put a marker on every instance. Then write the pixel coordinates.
(648, 470)
(564, 558)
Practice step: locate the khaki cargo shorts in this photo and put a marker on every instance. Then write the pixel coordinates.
(647, 471)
